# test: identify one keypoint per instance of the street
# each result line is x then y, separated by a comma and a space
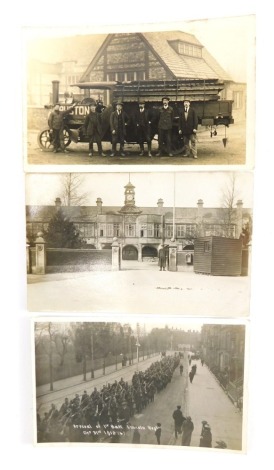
211, 151
203, 399
140, 291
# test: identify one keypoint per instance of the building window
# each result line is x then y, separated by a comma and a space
130, 230
237, 99
109, 230
169, 231
86, 230
157, 230
116, 230
185, 48
180, 231
150, 230
102, 230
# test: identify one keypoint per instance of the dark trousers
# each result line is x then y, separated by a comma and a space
58, 139
117, 139
165, 136
143, 136
99, 144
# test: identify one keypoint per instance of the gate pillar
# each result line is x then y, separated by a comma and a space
40, 254
116, 260
140, 252
172, 255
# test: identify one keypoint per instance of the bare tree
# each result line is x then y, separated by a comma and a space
72, 194
228, 212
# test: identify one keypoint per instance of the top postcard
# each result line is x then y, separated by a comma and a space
181, 95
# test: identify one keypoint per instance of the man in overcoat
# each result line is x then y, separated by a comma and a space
165, 127
118, 123
188, 125
56, 125
93, 129
143, 120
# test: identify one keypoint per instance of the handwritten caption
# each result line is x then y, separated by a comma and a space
110, 429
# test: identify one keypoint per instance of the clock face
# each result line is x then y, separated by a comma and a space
129, 197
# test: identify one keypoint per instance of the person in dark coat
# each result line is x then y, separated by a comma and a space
188, 125
206, 436
93, 129
136, 438
181, 369
142, 121
165, 127
178, 420
162, 258
187, 429
158, 433
56, 125
118, 123
191, 375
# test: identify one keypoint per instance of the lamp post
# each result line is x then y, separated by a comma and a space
92, 357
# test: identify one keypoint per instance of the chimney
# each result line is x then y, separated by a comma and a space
99, 204
160, 204
58, 203
55, 91
200, 205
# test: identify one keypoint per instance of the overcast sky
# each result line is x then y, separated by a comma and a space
149, 187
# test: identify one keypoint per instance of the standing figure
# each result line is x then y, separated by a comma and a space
181, 369
136, 438
143, 127
191, 375
165, 127
206, 436
187, 428
93, 129
178, 420
56, 125
188, 124
118, 123
162, 258
158, 433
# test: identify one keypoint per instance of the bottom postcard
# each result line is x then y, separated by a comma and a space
171, 383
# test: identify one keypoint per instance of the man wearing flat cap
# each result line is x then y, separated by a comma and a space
165, 127
188, 124
143, 120
118, 122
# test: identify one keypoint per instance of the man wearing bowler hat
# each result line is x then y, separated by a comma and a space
188, 124
118, 122
165, 127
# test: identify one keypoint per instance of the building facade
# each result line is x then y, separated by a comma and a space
141, 230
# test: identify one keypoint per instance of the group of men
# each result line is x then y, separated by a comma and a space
145, 120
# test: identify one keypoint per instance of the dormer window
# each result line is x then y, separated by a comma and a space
186, 48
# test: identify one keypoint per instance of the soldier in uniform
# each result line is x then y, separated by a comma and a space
93, 129
56, 125
118, 123
143, 122
165, 127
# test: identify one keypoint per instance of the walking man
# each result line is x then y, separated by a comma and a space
178, 420
188, 124
158, 433
187, 429
162, 258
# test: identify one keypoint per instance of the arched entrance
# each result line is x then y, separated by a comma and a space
149, 252
130, 252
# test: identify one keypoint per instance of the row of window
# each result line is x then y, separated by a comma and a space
146, 230
126, 76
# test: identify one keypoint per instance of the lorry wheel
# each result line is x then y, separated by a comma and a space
44, 139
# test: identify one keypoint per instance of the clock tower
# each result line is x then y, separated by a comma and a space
129, 204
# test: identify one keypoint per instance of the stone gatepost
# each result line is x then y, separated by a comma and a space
140, 252
116, 262
40, 254
172, 254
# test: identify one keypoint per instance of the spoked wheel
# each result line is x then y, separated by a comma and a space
44, 139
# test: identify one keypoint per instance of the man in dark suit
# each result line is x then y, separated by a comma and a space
188, 124
143, 128
165, 127
118, 122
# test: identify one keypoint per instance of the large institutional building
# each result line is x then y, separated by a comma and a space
141, 230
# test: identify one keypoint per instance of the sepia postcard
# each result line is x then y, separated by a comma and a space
165, 382
157, 243
181, 95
